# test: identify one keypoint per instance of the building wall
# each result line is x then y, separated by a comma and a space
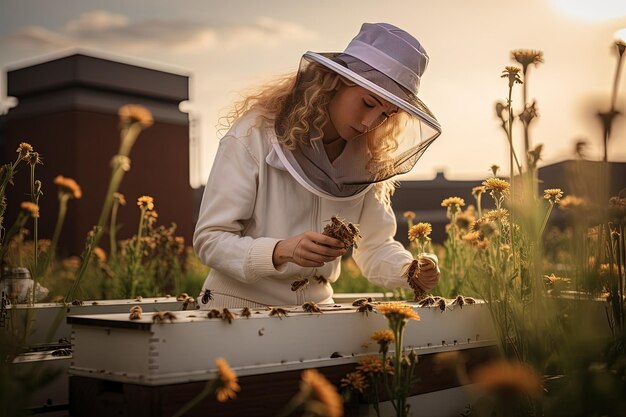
71, 120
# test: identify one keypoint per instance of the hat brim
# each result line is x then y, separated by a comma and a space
416, 108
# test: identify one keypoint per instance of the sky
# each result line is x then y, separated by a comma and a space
227, 47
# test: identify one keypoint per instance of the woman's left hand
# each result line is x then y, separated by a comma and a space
428, 274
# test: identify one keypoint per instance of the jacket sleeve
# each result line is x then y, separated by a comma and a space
227, 205
382, 259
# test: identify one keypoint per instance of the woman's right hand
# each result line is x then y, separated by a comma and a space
308, 249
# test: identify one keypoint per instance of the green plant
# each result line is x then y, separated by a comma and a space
391, 373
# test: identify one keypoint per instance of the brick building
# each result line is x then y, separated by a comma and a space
68, 111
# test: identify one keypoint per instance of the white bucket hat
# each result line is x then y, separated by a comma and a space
380, 51
388, 62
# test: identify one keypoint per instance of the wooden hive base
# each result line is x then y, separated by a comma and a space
261, 395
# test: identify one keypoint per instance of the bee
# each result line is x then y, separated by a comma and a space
135, 313
459, 300
355, 233
227, 315
214, 314
206, 296
138, 299
311, 307
360, 301
321, 280
182, 297
427, 302
187, 301
62, 352
160, 317
365, 307
300, 284
469, 300
347, 233
245, 312
441, 304
77, 303
278, 312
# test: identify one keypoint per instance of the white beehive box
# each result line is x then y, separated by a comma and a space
113, 347
47, 321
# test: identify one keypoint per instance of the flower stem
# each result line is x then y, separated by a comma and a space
208, 388
120, 164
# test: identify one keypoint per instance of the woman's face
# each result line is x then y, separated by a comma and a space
353, 110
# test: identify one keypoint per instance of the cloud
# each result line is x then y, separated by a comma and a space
105, 29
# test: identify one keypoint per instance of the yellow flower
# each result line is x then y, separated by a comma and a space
371, 364
24, 149
571, 202
512, 73
146, 201
527, 56
420, 232
354, 381
120, 198
151, 216
383, 336
134, 113
30, 208
464, 220
453, 204
497, 187
397, 310
477, 191
453, 201
507, 377
553, 195
229, 386
100, 254
322, 393
68, 186
409, 215
497, 214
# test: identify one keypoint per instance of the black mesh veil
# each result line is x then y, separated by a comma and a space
391, 149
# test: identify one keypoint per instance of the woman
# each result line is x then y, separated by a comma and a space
322, 143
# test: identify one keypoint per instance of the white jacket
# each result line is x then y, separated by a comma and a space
251, 202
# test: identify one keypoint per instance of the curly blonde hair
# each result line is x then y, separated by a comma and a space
298, 107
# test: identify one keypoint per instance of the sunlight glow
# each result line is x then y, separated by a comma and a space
595, 11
